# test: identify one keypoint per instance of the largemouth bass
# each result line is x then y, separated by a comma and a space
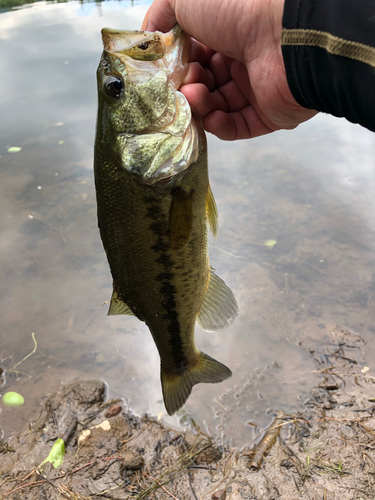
155, 202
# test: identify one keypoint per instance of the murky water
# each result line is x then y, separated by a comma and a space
296, 240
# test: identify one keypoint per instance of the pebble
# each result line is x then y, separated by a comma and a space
132, 461
113, 410
219, 495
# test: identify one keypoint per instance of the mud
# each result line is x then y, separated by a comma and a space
325, 452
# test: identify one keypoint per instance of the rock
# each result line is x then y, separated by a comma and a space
219, 495
66, 425
88, 392
132, 461
77, 396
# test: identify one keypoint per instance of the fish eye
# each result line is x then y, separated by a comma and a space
114, 86
144, 45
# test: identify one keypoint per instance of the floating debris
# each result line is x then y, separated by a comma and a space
269, 243
13, 399
14, 149
26, 357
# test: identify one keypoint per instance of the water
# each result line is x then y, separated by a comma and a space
296, 240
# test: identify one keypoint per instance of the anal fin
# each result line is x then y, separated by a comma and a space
117, 306
219, 307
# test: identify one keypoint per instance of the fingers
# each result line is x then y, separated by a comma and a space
243, 124
219, 65
199, 52
160, 16
198, 74
202, 101
233, 96
145, 21
217, 86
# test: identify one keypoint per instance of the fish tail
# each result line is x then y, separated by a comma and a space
177, 387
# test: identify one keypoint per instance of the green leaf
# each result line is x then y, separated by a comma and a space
14, 149
13, 399
56, 455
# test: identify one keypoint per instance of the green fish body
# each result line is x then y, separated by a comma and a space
155, 203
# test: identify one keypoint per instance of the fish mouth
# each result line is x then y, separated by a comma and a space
138, 45
122, 40
172, 47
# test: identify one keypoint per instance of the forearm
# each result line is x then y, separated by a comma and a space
329, 55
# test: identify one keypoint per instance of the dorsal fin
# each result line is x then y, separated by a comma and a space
118, 306
219, 307
212, 213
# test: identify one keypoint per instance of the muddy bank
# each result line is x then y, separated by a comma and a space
325, 452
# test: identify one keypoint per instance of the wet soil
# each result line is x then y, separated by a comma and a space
326, 451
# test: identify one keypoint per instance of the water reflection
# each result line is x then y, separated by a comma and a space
296, 240
11, 4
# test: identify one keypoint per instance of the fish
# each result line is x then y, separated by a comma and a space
155, 204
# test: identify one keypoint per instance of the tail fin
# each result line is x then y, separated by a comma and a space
177, 388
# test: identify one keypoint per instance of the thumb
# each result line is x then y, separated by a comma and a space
160, 16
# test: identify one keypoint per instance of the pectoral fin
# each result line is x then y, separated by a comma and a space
118, 306
212, 213
180, 219
219, 308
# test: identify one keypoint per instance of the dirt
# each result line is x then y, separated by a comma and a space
325, 452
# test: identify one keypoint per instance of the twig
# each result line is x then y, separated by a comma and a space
316, 421
191, 486
71, 494
111, 489
6, 480
57, 477
30, 354
165, 489
175, 468
75, 470
135, 435
261, 450
31, 473
206, 467
24, 486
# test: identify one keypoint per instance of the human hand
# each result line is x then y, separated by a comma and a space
236, 84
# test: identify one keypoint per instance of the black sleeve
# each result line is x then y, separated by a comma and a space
329, 54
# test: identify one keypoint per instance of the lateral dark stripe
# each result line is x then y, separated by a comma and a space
162, 250
332, 44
